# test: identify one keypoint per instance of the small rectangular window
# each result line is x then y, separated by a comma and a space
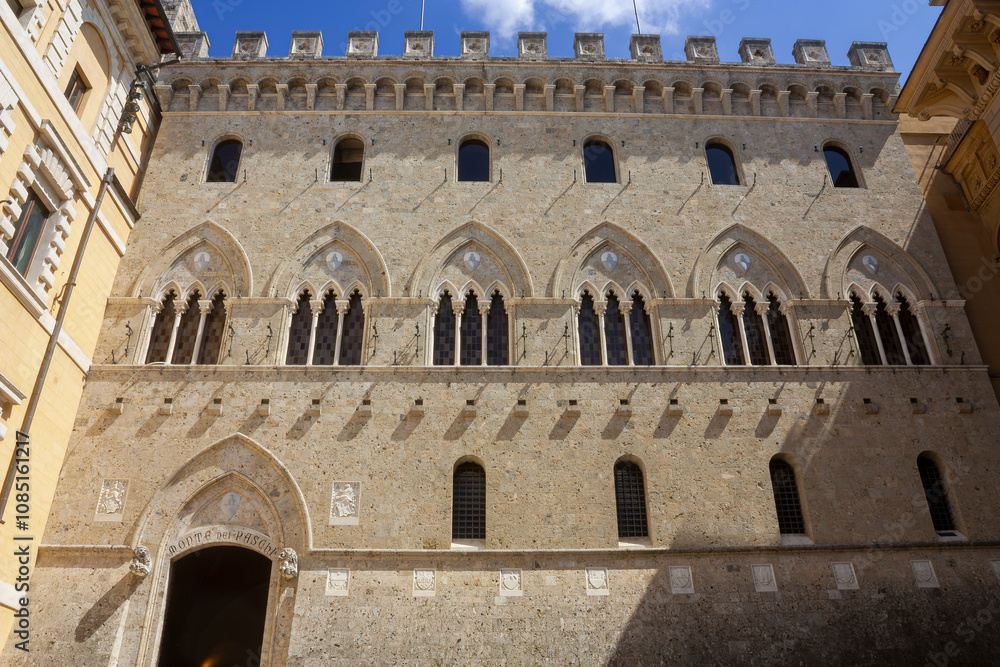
75, 90
27, 232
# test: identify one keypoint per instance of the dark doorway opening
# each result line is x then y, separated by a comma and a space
216, 607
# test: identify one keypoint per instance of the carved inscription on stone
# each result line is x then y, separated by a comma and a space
338, 583
424, 583
763, 579
510, 583
111, 500
345, 504
843, 574
681, 581
597, 581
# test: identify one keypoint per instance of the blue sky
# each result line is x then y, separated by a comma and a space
904, 24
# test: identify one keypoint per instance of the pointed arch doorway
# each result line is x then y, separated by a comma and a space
216, 608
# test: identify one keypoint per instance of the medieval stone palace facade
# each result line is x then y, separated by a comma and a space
527, 360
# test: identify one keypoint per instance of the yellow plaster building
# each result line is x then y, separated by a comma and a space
66, 67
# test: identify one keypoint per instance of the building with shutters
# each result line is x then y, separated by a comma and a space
530, 359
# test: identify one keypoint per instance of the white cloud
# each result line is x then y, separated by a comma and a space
508, 16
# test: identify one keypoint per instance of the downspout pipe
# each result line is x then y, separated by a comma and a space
50, 350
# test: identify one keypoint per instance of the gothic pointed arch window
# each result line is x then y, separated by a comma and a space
189, 333
729, 332
471, 332
599, 162
588, 332
326, 332
213, 328
444, 332
497, 332
913, 337
225, 161
937, 495
614, 332
348, 160
722, 164
787, 503
160, 333
473, 160
864, 333
641, 330
468, 510
299, 332
781, 333
630, 500
888, 332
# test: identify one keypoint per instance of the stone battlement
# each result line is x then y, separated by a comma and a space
533, 47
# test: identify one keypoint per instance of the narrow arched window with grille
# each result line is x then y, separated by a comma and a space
187, 332
599, 162
614, 333
213, 330
589, 332
641, 329
936, 494
225, 162
300, 332
753, 324
913, 337
327, 328
630, 500
468, 510
722, 164
348, 160
786, 498
864, 333
444, 332
497, 333
729, 333
352, 333
781, 333
163, 325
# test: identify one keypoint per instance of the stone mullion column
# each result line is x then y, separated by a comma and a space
791, 319
288, 314
458, 309
576, 333
179, 309
400, 95
316, 307
870, 309
762, 310
429, 347
626, 309
578, 93
601, 307
737, 307
916, 309
893, 309
342, 308
755, 102
488, 90
152, 310
484, 311
204, 308
509, 311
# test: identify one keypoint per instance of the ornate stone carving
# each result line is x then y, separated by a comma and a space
843, 574
345, 509
757, 51
338, 583
362, 44
870, 55
250, 45
923, 572
609, 259
532, 45
681, 581
142, 561
597, 581
510, 583
475, 45
763, 579
646, 48
424, 583
811, 52
289, 563
701, 50
589, 45
306, 45
418, 44
111, 500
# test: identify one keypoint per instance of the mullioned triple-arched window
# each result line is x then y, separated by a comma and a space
887, 331
754, 330
614, 332
472, 332
326, 332
188, 331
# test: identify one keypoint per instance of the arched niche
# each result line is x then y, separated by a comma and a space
851, 264
182, 262
634, 264
495, 262
720, 263
337, 254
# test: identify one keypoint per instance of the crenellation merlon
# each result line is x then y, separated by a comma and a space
533, 46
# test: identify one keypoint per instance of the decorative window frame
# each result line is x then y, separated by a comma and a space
8, 103
485, 298
917, 308
624, 295
787, 308
31, 18
43, 171
316, 305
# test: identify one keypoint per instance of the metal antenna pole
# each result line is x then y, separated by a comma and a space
422, 2
637, 26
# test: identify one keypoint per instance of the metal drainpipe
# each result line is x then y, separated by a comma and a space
54, 339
